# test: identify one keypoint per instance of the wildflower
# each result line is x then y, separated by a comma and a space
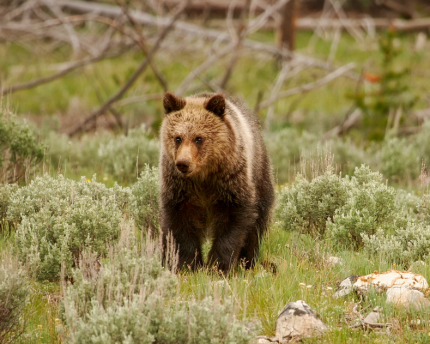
372, 77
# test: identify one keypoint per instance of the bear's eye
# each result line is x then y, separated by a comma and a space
178, 140
198, 140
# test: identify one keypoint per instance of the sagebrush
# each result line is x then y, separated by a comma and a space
14, 293
131, 298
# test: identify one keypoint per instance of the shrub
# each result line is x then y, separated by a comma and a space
13, 297
423, 209
341, 208
133, 299
370, 206
5, 197
399, 159
306, 206
408, 203
123, 155
422, 142
348, 155
286, 147
409, 243
19, 150
61, 218
120, 156
146, 203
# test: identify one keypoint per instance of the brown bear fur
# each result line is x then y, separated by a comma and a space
216, 179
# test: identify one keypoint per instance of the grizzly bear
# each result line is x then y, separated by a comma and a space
216, 180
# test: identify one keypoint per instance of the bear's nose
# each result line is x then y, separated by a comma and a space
183, 165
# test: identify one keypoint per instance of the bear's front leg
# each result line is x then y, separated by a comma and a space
180, 220
231, 227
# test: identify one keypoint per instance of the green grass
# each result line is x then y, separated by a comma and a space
303, 275
259, 295
41, 314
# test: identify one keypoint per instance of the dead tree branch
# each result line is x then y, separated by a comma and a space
344, 126
141, 42
308, 87
238, 39
80, 126
228, 49
74, 40
63, 72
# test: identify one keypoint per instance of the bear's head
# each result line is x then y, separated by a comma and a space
195, 133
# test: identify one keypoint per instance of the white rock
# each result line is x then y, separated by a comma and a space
298, 320
346, 286
332, 261
407, 297
389, 279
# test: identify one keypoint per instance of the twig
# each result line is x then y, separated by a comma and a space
8, 30
275, 91
348, 123
289, 69
220, 53
138, 99
260, 95
74, 40
334, 45
308, 87
200, 69
141, 42
115, 113
269, 11
67, 70
239, 38
134, 76
17, 11
354, 32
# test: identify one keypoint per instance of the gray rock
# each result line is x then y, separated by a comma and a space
374, 317
346, 286
267, 340
298, 320
407, 297
332, 261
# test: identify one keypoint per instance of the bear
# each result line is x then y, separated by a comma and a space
215, 180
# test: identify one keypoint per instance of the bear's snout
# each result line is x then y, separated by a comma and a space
183, 165
185, 158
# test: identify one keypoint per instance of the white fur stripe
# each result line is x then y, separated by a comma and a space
245, 133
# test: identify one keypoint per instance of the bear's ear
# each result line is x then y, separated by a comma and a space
172, 103
216, 105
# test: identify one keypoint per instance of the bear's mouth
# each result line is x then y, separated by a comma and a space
186, 174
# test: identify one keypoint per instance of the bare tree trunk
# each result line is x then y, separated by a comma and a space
286, 32
409, 5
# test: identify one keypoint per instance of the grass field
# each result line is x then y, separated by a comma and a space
294, 142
